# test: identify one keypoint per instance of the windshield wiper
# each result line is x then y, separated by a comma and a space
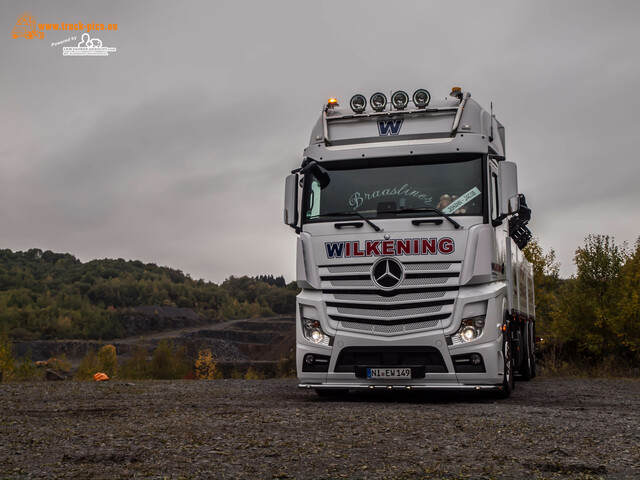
427, 209
350, 212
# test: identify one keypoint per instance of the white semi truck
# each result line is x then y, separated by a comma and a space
410, 229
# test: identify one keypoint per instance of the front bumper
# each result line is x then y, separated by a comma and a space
431, 386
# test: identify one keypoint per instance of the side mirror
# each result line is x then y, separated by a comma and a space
509, 198
291, 200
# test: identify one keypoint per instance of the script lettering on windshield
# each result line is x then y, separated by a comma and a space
357, 199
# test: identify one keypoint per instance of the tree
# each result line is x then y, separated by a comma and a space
546, 279
599, 263
205, 366
627, 320
108, 360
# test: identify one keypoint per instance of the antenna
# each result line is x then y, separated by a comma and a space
491, 134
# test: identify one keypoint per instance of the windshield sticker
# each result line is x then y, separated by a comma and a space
357, 199
463, 200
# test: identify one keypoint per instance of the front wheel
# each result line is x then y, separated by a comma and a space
526, 369
507, 376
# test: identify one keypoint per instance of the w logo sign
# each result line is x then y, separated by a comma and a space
389, 127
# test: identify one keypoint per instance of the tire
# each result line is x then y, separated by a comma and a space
533, 350
507, 380
331, 393
526, 368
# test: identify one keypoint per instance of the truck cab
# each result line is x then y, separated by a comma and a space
410, 228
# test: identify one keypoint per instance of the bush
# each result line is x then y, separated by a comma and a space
88, 366
7, 359
168, 362
27, 368
137, 367
253, 375
205, 366
108, 360
59, 363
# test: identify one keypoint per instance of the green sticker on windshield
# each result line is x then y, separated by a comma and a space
463, 200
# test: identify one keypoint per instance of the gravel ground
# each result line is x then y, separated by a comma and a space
263, 429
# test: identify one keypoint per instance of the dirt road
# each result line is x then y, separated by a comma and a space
549, 428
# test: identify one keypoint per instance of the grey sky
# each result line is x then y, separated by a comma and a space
174, 149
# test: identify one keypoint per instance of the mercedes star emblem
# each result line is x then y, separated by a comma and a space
387, 273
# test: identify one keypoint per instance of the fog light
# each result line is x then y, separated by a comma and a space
421, 98
378, 101
309, 359
400, 100
358, 103
469, 333
476, 359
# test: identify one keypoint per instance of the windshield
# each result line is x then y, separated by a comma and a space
453, 186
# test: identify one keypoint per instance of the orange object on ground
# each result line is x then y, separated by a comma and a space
100, 377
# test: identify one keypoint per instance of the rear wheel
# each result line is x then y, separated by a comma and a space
331, 392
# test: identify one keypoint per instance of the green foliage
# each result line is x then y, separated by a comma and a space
46, 295
108, 360
27, 368
593, 318
627, 315
137, 367
7, 358
88, 366
168, 362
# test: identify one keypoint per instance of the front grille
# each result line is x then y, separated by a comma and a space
389, 313
428, 357
426, 294
401, 328
376, 297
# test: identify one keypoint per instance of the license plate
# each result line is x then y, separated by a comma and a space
388, 373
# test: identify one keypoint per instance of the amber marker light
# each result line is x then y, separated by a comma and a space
332, 102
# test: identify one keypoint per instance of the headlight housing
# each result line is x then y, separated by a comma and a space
471, 328
312, 331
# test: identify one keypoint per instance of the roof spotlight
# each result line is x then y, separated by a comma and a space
421, 98
400, 100
358, 103
378, 101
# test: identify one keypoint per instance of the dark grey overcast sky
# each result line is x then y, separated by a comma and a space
174, 149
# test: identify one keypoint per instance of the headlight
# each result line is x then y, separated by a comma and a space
378, 101
470, 329
421, 98
400, 100
313, 332
468, 333
358, 103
